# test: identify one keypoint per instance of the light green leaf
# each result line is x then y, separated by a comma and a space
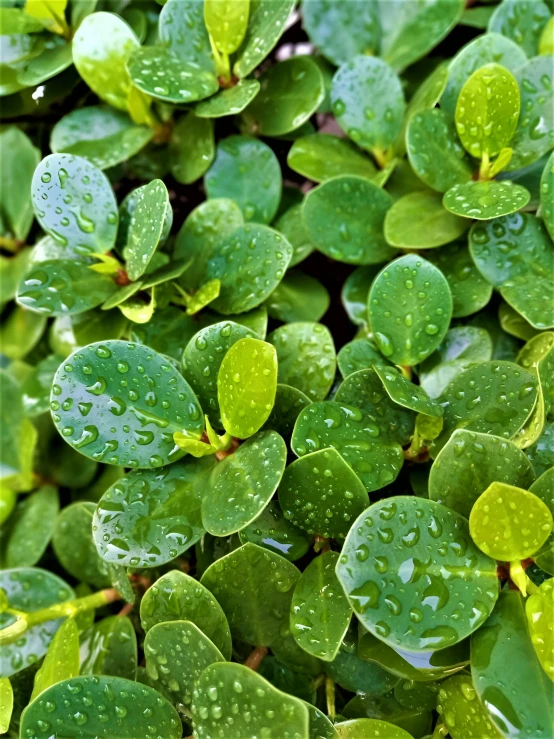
32, 526
266, 25
226, 21
19, 160
485, 200
419, 221
321, 156
539, 608
547, 191
6, 704
461, 710
62, 658
230, 101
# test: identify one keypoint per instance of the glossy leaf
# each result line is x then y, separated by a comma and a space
418, 221
485, 200
62, 658
74, 203
179, 597
469, 463
192, 148
243, 483
263, 579
321, 494
230, 101
409, 540
298, 297
365, 728
344, 217
522, 22
74, 547
461, 710
417, 293
547, 188
246, 386
145, 227
183, 31
322, 156
266, 24
104, 702
6, 704
274, 532
247, 171
19, 160
406, 393
159, 403
289, 401
226, 22
355, 291
539, 608
32, 527
290, 93
544, 489
159, 511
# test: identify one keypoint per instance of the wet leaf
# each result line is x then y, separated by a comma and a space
145, 227
272, 531
179, 597
230, 101
192, 148
262, 578
547, 188
469, 463
159, 511
365, 728
418, 221
344, 217
62, 658
32, 526
111, 648
359, 354
461, 710
410, 540
82, 706
74, 547
409, 307
355, 291
322, 156
182, 30
266, 24
539, 608
243, 483
406, 393
19, 160
159, 403
226, 22
289, 401
6, 704
522, 22
306, 357
485, 200
298, 297
290, 93
544, 489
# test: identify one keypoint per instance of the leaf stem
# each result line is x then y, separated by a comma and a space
254, 659
330, 696
484, 168
521, 579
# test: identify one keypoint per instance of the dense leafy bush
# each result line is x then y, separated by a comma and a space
232, 507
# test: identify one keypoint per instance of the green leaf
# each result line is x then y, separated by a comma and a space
272, 531
201, 231
51, 13
257, 576
544, 489
365, 728
506, 673
419, 221
176, 655
19, 160
111, 648
412, 541
469, 463
320, 613
289, 401
461, 710
321, 156
192, 148
243, 483
32, 526
6, 704
486, 49
508, 523
158, 512
250, 262
102, 46
470, 292
291, 92
373, 456
409, 307
434, 150
103, 701
56, 57
539, 608
547, 187
417, 28
357, 86
230, 101
179, 597
406, 393
146, 227
322, 494
359, 354
63, 287
534, 135
364, 390
521, 21
247, 171
487, 110
305, 345
74, 203
226, 21
298, 297
246, 386
74, 546
541, 453
485, 200
355, 674
490, 398
266, 24
30, 589
344, 217
159, 403
62, 659
355, 291
68, 333
341, 31
162, 74
417, 721
261, 708
546, 40
100, 134
14, 21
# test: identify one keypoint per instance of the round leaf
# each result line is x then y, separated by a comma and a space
547, 189
89, 706
74, 547
121, 403
146, 227
461, 710
539, 608
230, 101
74, 203
112, 649
289, 401
31, 528
544, 489
298, 297
344, 217
359, 354
182, 30
321, 494
266, 24
321, 156
508, 523
485, 200
390, 569
368, 102
243, 483
320, 613
291, 91
419, 221
366, 728
406, 393
247, 171
226, 22
522, 22
192, 148
272, 531
410, 306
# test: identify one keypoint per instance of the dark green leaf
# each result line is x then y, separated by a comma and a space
547, 188
272, 531
32, 526
359, 354
406, 393
298, 297
266, 25
461, 710
322, 156
192, 148
146, 227
183, 31
365, 728
19, 160
230, 101
111, 648
355, 291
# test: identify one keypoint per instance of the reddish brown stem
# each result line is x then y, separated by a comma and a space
226, 452
126, 610
254, 659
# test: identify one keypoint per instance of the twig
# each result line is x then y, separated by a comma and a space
254, 659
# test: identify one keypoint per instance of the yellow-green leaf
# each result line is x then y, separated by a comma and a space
51, 13
226, 21
62, 659
539, 608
